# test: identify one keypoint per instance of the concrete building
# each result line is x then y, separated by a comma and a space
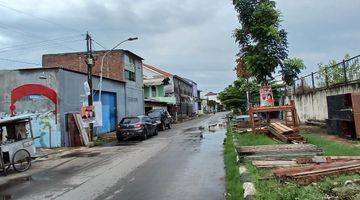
183, 91
119, 65
157, 83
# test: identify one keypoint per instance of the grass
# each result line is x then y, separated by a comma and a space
332, 148
251, 139
273, 189
233, 185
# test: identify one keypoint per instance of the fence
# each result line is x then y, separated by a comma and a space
345, 72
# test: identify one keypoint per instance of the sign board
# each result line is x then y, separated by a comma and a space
266, 96
98, 113
87, 88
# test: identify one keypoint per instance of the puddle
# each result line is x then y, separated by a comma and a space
81, 154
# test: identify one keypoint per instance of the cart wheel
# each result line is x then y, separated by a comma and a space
21, 160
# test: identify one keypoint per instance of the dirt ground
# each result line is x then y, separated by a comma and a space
322, 131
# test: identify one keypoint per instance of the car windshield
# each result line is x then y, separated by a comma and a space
154, 114
131, 120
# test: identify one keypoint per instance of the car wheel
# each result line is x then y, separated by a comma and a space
169, 126
119, 137
162, 125
144, 136
156, 132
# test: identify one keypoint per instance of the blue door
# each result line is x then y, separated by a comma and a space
109, 111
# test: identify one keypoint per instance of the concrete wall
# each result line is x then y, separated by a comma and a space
72, 95
134, 93
314, 105
44, 121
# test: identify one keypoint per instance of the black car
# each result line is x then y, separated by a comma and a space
140, 126
161, 117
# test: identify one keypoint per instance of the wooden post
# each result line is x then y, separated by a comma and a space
251, 114
294, 114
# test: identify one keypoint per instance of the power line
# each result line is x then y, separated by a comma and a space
19, 61
35, 43
33, 35
2, 4
102, 46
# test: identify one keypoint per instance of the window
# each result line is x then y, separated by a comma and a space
129, 75
129, 68
153, 91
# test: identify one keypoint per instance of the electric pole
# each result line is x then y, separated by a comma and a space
90, 63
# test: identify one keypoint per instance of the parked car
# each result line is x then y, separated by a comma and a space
140, 126
161, 117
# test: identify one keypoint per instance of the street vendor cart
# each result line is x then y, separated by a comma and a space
17, 145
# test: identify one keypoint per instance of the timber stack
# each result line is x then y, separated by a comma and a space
285, 133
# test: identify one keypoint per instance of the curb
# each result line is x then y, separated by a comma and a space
248, 186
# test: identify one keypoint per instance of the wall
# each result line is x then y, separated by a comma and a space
134, 92
113, 67
314, 105
44, 121
72, 95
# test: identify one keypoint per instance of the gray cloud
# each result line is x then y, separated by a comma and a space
186, 37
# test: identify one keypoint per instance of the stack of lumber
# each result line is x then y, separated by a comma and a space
285, 133
308, 174
278, 152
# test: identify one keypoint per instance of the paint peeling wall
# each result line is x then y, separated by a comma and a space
44, 122
314, 105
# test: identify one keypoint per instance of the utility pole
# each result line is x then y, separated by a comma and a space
90, 63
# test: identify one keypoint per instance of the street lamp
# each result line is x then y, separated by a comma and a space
103, 58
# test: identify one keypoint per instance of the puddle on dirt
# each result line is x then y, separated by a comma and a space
81, 154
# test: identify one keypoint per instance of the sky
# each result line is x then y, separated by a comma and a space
188, 38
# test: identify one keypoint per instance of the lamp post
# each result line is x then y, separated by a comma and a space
103, 58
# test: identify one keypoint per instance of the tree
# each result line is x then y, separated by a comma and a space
234, 96
263, 44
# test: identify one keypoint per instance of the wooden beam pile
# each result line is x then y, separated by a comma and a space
308, 174
285, 133
278, 152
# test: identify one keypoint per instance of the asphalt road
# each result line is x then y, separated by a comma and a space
176, 164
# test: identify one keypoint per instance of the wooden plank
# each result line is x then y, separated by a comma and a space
278, 148
300, 170
274, 163
285, 156
83, 133
278, 135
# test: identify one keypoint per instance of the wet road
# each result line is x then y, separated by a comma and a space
176, 164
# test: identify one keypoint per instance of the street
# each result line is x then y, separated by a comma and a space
176, 164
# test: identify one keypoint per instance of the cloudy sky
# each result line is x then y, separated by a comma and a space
186, 37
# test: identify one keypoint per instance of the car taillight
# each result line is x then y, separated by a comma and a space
139, 125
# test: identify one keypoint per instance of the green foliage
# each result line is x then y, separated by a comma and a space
334, 72
263, 44
234, 96
292, 67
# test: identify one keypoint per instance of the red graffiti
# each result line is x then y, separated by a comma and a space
32, 89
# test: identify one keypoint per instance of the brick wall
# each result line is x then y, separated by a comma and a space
113, 63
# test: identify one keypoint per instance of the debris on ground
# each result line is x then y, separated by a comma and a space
308, 174
285, 133
278, 152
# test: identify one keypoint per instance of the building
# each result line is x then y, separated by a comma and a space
183, 91
156, 83
213, 103
119, 65
51, 123
195, 97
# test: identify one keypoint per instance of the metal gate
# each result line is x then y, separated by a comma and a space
109, 111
